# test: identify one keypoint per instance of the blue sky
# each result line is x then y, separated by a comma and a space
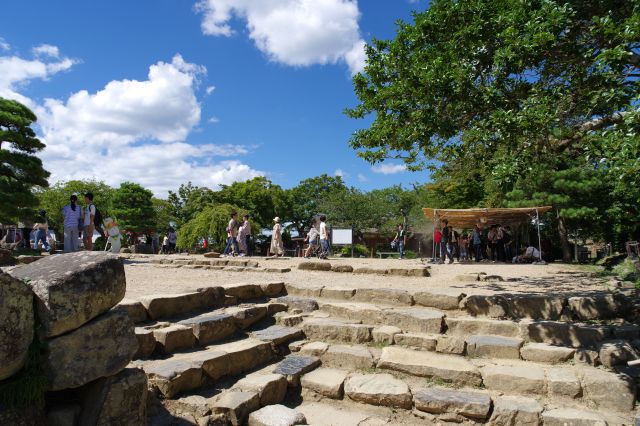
163, 92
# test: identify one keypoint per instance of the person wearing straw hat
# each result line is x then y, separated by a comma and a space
277, 248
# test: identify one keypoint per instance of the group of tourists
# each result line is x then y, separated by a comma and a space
493, 243
318, 238
78, 222
239, 236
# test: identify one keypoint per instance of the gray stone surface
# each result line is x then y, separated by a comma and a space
599, 386
288, 320
342, 268
385, 334
594, 307
385, 296
276, 415
572, 417
273, 289
61, 415
484, 346
340, 293
445, 299
563, 334
146, 343
244, 355
617, 352
541, 352
427, 342
563, 382
515, 411
278, 335
163, 306
173, 338
73, 288
116, 400
314, 266
464, 326
474, 405
172, 376
244, 291
326, 329
16, 326
305, 290
236, 405
491, 306
134, 308
378, 389
271, 388
451, 344
348, 357
415, 319
100, 348
293, 366
305, 304
535, 306
314, 348
514, 379
448, 368
244, 316
209, 328
327, 382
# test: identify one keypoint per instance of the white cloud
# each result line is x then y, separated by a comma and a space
340, 173
293, 32
210, 89
213, 120
128, 131
4, 45
389, 169
46, 50
362, 178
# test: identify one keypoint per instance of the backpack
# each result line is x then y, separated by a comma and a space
97, 218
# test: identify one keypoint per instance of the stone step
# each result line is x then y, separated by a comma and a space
487, 346
333, 330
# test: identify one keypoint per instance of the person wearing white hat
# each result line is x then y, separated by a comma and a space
277, 248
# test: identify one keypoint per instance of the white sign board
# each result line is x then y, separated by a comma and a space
341, 237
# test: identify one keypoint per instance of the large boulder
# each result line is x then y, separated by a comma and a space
119, 399
73, 288
16, 327
100, 348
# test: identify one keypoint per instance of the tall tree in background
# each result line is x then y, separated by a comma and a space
20, 169
490, 90
133, 209
304, 198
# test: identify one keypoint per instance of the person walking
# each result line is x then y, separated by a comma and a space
41, 229
277, 247
324, 237
232, 234
437, 239
312, 239
243, 236
73, 222
89, 220
476, 239
400, 239
444, 244
172, 239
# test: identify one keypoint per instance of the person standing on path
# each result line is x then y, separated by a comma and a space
437, 239
172, 239
243, 236
232, 234
324, 237
89, 217
41, 229
277, 248
444, 244
73, 221
401, 240
476, 240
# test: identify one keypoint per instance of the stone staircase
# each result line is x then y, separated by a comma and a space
216, 356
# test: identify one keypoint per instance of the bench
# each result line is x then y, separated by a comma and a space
387, 253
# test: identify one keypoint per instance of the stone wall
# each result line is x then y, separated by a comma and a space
86, 346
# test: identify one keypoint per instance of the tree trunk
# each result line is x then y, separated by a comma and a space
564, 240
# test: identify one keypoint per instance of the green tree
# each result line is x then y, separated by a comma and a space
164, 214
210, 223
188, 201
20, 169
353, 209
55, 197
133, 209
483, 92
304, 198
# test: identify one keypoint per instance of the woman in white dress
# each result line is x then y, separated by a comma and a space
277, 248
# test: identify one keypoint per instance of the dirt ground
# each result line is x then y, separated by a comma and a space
145, 278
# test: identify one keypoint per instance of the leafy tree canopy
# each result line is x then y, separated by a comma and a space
210, 223
304, 198
20, 169
132, 207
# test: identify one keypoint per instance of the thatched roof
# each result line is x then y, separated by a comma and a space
468, 218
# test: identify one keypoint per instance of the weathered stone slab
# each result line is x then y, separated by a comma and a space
516, 411
327, 382
418, 320
464, 326
324, 329
119, 399
213, 362
314, 349
387, 296
427, 342
275, 307
541, 352
314, 266
449, 368
73, 288
146, 343
276, 415
107, 344
310, 290
418, 272
60, 415
563, 382
616, 352
16, 328
271, 388
594, 307
293, 366
348, 357
245, 316
278, 335
342, 268
487, 346
474, 405
573, 417
601, 386
368, 270
364, 312
491, 306
513, 379
172, 376
134, 308
235, 405
288, 320
273, 289
245, 354
378, 389
547, 307
173, 338
445, 299
451, 344
209, 328
174, 305
339, 293
397, 272
564, 334
385, 334
244, 291
626, 331
587, 356
303, 303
